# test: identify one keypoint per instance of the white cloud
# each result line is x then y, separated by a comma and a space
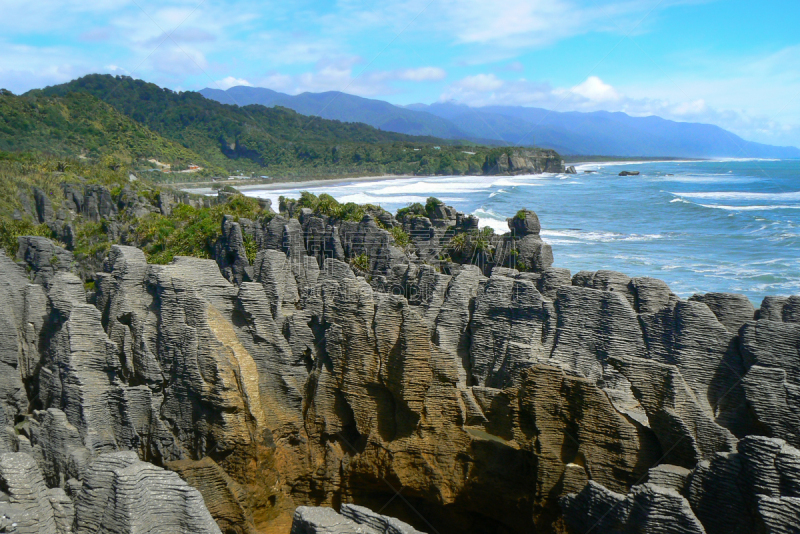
480, 83
422, 74
343, 74
178, 61
492, 31
690, 108
596, 90
230, 81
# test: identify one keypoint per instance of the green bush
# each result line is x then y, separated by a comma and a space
401, 238
250, 247
412, 210
360, 263
430, 206
10, 230
190, 231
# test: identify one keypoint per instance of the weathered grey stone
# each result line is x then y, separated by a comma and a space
648, 508
781, 309
146, 499
731, 310
320, 520
771, 349
685, 428
487, 399
21, 480
44, 206
670, 477
525, 223
58, 447
591, 326
534, 254
452, 333
379, 523
551, 279
688, 335
650, 294
231, 254
98, 203
512, 329
225, 498
44, 258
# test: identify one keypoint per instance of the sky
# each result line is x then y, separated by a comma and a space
732, 63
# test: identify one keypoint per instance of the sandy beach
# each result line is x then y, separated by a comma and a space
205, 187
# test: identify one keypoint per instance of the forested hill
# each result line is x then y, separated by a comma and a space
274, 141
80, 125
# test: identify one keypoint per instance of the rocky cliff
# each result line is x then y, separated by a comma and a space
524, 162
340, 368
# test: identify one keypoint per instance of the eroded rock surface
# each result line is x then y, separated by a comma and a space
488, 397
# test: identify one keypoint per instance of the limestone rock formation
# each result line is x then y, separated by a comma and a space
146, 499
531, 252
335, 369
648, 508
525, 162
30, 502
231, 253
352, 520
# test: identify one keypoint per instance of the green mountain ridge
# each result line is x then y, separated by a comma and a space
79, 125
275, 141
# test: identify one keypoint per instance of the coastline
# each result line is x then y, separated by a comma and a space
275, 186
250, 185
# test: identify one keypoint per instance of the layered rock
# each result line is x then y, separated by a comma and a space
526, 248
524, 162
752, 490
145, 499
489, 403
352, 520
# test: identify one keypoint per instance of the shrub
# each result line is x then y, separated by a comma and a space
250, 247
360, 263
458, 243
401, 238
412, 210
431, 204
10, 230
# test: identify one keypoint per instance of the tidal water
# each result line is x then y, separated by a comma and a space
701, 226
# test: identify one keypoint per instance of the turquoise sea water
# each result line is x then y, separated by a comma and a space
731, 225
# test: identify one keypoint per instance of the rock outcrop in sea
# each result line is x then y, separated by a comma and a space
406, 391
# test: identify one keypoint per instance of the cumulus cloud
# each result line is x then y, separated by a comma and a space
422, 74
480, 83
178, 61
595, 90
343, 74
694, 107
230, 81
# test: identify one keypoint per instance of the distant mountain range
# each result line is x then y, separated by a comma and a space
574, 133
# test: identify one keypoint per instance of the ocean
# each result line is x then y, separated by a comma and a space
701, 226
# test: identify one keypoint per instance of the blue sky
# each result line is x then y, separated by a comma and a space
728, 62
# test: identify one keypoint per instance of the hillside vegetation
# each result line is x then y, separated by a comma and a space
79, 125
274, 141
188, 230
